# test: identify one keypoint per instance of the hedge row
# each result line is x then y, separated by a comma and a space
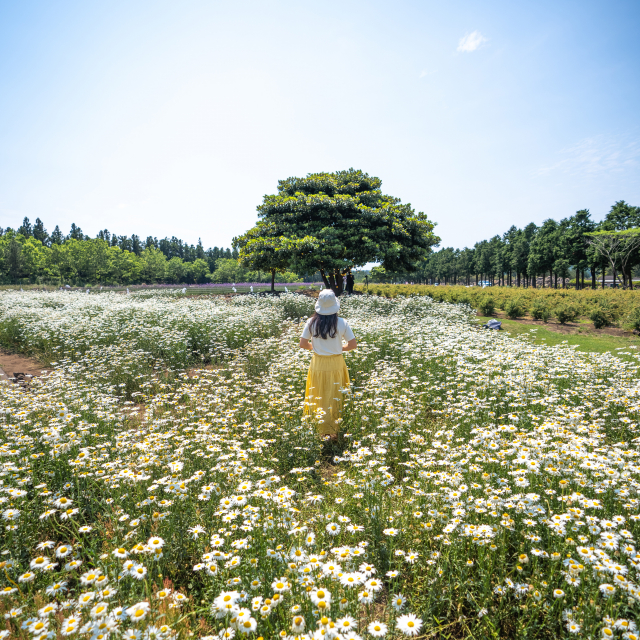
603, 307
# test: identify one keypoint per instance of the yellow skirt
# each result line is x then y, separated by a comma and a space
323, 398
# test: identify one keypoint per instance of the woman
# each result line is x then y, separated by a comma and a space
328, 373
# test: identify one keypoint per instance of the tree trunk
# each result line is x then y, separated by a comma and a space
333, 281
604, 271
273, 280
594, 284
630, 277
325, 280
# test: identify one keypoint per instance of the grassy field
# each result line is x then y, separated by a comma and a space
586, 340
164, 480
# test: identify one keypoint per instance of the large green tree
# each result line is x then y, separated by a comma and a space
542, 254
349, 222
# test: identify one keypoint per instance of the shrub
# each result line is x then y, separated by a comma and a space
565, 313
487, 306
540, 310
295, 306
633, 319
600, 317
515, 307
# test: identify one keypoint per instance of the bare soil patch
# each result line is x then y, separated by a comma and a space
567, 328
11, 363
205, 367
136, 413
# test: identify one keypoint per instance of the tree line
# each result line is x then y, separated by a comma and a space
171, 247
545, 255
331, 224
29, 254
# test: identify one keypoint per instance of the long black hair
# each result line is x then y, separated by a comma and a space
324, 326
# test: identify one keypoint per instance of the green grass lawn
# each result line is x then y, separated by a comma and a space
586, 341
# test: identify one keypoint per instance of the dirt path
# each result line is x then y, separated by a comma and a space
12, 363
568, 328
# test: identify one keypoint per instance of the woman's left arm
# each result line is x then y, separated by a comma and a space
351, 345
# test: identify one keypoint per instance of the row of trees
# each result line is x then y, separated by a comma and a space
170, 247
333, 223
94, 261
30, 255
534, 256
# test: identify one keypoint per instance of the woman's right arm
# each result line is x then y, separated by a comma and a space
305, 343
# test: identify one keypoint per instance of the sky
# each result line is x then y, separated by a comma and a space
176, 118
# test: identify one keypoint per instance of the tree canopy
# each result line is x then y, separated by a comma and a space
342, 220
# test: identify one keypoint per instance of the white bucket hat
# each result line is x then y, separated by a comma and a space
327, 303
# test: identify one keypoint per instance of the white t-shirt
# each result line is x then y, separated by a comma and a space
330, 346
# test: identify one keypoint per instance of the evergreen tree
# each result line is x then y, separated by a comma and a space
56, 236
542, 250
40, 233
75, 233
13, 259
25, 229
622, 216
577, 243
200, 254
136, 245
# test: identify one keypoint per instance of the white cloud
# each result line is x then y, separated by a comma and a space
426, 73
471, 42
597, 156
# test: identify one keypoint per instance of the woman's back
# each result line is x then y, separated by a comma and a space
329, 346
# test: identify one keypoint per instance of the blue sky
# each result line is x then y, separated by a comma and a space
175, 118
